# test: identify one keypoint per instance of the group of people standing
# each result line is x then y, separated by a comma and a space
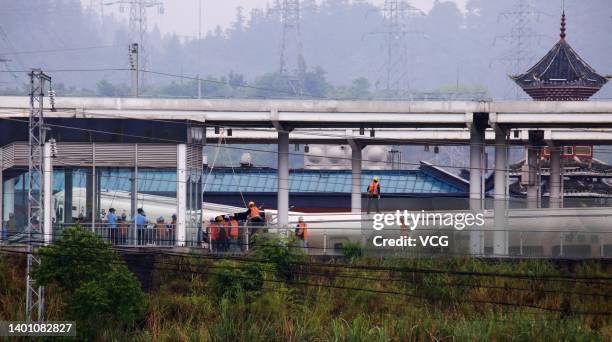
224, 233
159, 233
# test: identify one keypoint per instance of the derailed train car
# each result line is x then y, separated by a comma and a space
546, 233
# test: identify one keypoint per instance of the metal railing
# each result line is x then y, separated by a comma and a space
128, 234
330, 240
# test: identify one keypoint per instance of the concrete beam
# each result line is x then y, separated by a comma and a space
401, 136
537, 118
326, 113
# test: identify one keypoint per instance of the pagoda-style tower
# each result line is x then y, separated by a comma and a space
561, 75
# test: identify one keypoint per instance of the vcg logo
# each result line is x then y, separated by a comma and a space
434, 241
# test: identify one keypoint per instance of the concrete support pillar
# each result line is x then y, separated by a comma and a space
95, 204
134, 196
8, 201
533, 187
477, 141
47, 226
500, 235
2, 232
181, 195
555, 180
89, 196
283, 179
68, 195
356, 178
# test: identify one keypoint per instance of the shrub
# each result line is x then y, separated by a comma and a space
100, 291
229, 279
279, 251
352, 250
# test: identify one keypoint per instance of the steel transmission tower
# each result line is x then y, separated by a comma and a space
138, 26
522, 37
291, 46
395, 75
36, 185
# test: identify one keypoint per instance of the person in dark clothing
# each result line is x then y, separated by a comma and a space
222, 238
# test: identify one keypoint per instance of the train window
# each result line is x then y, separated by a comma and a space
568, 150
583, 150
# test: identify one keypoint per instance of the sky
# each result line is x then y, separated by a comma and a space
181, 16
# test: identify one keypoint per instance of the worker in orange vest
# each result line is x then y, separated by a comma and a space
374, 195
254, 216
213, 234
253, 211
301, 231
232, 224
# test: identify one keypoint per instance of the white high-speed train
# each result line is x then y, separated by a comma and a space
154, 206
529, 232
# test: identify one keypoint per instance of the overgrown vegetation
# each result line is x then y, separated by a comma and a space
277, 293
95, 284
352, 250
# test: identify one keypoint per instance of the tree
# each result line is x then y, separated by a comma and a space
105, 88
360, 89
238, 24
235, 79
99, 290
315, 84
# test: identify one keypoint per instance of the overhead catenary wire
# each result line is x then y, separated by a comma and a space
167, 74
356, 267
389, 292
70, 49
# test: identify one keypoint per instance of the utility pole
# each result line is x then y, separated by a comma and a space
138, 26
291, 46
133, 61
396, 15
35, 303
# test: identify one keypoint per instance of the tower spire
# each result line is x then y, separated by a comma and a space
562, 35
